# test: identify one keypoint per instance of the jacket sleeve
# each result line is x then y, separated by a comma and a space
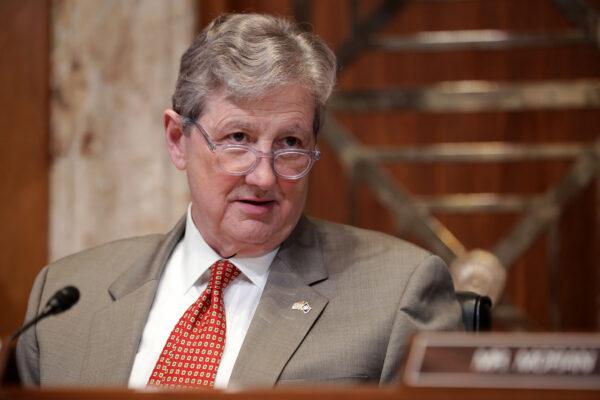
28, 357
428, 304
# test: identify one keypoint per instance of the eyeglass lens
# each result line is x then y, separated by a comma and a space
239, 161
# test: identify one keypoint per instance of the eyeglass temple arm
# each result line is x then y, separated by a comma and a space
210, 144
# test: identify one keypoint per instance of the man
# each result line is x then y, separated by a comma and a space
244, 291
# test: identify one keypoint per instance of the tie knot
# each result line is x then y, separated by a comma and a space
221, 274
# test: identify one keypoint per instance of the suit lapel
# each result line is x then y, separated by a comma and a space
277, 329
114, 338
117, 329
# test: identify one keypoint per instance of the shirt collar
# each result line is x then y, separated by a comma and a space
198, 256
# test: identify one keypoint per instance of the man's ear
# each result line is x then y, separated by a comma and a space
176, 140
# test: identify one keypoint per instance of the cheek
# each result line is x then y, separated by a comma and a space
218, 190
295, 193
209, 185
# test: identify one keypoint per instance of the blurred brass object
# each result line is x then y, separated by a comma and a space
482, 39
475, 152
475, 95
481, 272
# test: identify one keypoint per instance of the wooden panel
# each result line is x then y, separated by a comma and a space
300, 392
208, 10
528, 286
23, 152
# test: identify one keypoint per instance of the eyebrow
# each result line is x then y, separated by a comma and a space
296, 129
237, 125
245, 126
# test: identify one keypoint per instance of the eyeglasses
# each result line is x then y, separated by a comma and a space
241, 159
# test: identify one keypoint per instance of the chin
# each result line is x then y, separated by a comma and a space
257, 236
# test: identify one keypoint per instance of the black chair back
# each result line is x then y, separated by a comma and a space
476, 311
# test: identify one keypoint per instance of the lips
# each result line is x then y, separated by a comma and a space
253, 206
257, 202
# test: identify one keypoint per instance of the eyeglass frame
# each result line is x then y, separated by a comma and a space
315, 154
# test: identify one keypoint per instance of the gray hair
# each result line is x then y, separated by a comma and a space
248, 54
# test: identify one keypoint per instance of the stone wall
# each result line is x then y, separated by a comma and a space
113, 68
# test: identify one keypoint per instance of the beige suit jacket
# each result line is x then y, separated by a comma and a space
368, 293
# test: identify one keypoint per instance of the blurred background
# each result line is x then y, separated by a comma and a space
469, 127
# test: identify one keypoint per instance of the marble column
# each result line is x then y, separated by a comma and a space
113, 69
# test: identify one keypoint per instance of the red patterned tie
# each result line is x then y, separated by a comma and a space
193, 351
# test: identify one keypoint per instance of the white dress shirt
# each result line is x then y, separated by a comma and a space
185, 277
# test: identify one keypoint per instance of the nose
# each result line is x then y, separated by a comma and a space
263, 175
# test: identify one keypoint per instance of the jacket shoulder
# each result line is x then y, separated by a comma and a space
352, 243
104, 262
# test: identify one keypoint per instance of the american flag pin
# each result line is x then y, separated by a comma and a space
302, 306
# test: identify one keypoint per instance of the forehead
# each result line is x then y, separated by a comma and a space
288, 107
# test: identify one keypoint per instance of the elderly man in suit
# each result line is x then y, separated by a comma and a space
245, 290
